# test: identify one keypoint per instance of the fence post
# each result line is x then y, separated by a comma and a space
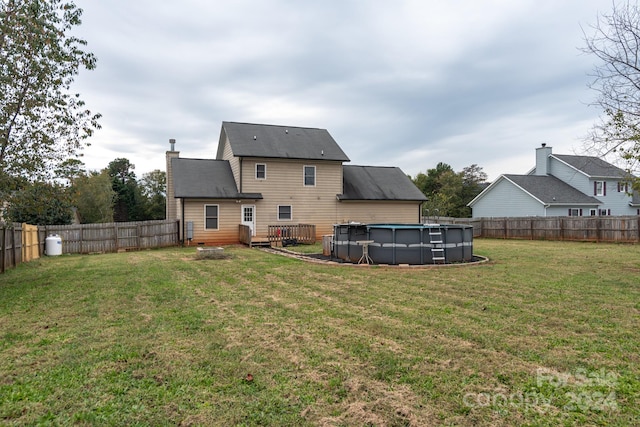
13, 248
115, 235
3, 234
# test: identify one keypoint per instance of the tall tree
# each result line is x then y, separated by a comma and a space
123, 179
615, 41
42, 123
153, 186
93, 196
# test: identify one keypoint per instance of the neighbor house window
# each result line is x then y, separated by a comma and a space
284, 213
211, 213
309, 176
575, 212
604, 212
623, 187
261, 171
599, 188
593, 212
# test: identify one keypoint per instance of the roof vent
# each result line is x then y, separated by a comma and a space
255, 137
286, 131
173, 144
544, 144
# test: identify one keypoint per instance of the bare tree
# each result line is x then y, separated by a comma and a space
615, 41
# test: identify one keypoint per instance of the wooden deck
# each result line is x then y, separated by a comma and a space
281, 235
260, 242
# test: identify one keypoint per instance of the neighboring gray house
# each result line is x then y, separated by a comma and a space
559, 185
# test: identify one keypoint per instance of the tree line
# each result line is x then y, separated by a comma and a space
448, 192
112, 194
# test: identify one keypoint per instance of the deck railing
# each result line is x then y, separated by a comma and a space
298, 233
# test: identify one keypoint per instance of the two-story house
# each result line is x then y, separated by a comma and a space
559, 185
266, 175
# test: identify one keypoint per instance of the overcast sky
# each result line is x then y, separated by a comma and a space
398, 83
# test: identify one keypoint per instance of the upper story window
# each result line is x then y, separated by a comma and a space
309, 176
623, 187
599, 188
261, 171
211, 217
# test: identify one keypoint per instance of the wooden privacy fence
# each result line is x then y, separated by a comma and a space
113, 237
619, 229
10, 245
30, 243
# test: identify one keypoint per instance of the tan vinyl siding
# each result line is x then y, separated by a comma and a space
228, 221
371, 212
285, 186
234, 162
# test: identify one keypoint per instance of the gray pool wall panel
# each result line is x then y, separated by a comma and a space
404, 243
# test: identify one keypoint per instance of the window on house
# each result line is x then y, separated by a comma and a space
623, 187
211, 217
599, 188
575, 212
309, 176
604, 212
593, 212
261, 171
284, 213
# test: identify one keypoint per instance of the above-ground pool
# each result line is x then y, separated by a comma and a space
404, 243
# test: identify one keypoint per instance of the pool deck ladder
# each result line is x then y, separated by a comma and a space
435, 238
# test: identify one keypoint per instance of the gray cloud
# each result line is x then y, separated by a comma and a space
405, 83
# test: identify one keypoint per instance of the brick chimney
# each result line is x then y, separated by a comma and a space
172, 202
542, 159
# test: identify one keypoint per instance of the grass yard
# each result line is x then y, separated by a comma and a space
547, 333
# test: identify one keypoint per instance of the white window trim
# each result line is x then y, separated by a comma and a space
315, 175
265, 171
218, 217
290, 210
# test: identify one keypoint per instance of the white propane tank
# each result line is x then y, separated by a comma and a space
53, 245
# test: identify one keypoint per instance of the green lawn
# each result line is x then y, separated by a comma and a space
546, 333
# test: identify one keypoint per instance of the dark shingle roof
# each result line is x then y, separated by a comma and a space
592, 166
378, 183
211, 179
550, 190
286, 142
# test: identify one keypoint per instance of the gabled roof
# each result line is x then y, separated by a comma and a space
285, 142
551, 190
378, 183
546, 189
206, 179
594, 167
